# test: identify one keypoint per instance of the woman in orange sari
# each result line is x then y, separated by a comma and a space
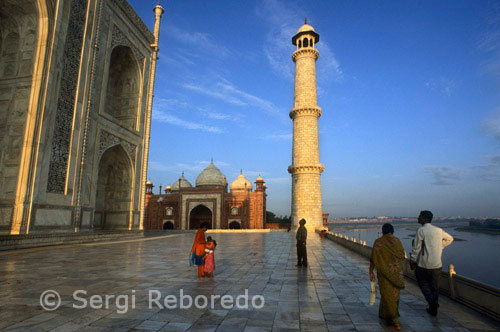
387, 257
198, 250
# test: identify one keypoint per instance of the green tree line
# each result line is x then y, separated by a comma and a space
272, 218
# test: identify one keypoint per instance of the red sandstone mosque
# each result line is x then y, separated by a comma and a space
183, 206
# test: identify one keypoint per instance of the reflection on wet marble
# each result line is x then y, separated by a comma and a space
330, 295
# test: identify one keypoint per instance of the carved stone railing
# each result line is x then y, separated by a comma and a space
473, 294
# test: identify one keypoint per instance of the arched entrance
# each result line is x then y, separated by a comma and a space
20, 28
114, 190
200, 215
122, 92
168, 225
234, 225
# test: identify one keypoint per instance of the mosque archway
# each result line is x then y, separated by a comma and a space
234, 225
114, 190
167, 225
122, 91
200, 215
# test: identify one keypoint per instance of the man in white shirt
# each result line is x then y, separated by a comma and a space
426, 258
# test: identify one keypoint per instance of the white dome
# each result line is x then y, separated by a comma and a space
211, 176
306, 27
241, 184
182, 183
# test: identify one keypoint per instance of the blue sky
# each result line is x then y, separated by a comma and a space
409, 92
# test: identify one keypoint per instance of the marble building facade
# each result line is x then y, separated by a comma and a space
76, 88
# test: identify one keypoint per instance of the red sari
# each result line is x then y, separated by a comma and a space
209, 266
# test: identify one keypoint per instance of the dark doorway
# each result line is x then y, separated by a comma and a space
234, 225
168, 225
114, 190
200, 215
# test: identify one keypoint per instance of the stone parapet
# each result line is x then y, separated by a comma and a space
315, 169
476, 295
305, 111
305, 52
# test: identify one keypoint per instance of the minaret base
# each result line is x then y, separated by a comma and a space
306, 196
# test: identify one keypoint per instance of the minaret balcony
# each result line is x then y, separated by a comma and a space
301, 169
305, 111
304, 53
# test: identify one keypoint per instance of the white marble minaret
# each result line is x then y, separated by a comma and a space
306, 168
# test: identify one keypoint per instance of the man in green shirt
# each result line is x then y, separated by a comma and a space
301, 238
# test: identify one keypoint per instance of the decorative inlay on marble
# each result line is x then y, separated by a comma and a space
67, 93
119, 38
107, 140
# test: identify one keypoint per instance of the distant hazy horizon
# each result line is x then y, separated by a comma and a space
409, 93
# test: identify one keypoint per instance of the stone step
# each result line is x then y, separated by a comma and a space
24, 241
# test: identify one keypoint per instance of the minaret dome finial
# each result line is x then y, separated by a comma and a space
305, 20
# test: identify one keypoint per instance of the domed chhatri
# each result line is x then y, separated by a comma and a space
309, 31
211, 176
241, 184
181, 183
305, 27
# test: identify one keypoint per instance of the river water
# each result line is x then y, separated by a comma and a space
474, 255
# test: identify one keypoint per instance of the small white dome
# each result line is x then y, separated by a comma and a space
241, 184
182, 183
304, 28
211, 176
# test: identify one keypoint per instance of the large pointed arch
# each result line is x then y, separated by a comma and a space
200, 215
123, 87
114, 190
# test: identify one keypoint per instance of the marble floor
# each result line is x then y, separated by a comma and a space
330, 295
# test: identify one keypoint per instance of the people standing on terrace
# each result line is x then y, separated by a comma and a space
387, 258
209, 266
301, 238
197, 253
425, 258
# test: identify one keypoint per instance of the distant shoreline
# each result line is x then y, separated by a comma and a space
440, 223
483, 230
